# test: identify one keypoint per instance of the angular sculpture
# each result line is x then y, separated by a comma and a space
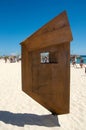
46, 65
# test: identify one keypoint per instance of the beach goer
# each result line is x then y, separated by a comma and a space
46, 59
11, 59
74, 60
85, 70
5, 58
81, 62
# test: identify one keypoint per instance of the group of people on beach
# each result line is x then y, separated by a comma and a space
11, 59
74, 62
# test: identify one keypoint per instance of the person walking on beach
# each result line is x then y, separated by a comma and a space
5, 58
74, 60
81, 62
85, 70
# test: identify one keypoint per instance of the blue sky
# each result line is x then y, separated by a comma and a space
21, 18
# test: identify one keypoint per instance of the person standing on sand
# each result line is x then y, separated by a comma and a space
5, 58
85, 70
74, 60
81, 62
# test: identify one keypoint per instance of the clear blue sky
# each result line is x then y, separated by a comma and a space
20, 18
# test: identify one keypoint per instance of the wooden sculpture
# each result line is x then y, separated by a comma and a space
46, 65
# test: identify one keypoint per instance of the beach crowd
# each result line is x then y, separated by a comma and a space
80, 65
11, 59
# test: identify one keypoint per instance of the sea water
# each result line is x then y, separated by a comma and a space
83, 57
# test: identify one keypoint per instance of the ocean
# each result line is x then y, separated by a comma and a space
83, 57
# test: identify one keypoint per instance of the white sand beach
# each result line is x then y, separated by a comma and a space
18, 111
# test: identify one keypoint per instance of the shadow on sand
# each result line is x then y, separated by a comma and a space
20, 119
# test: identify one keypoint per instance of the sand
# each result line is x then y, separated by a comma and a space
18, 111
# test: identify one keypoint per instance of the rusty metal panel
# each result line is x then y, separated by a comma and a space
46, 68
